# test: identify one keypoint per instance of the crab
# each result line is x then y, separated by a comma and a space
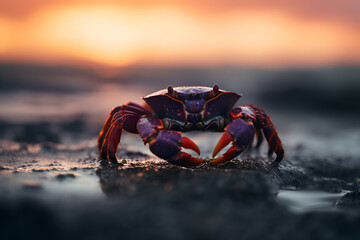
170, 111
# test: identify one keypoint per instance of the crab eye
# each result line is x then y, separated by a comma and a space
170, 90
216, 88
211, 93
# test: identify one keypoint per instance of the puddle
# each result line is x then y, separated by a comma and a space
82, 184
302, 201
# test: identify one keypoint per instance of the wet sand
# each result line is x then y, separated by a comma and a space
52, 190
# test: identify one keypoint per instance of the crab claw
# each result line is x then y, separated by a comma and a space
231, 153
185, 159
167, 145
241, 134
224, 141
188, 144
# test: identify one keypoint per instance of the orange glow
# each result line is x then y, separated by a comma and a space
119, 35
7, 28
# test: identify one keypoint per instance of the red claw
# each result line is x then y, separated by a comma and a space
185, 159
223, 142
188, 144
230, 154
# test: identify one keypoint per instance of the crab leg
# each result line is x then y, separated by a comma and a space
129, 108
167, 144
260, 138
264, 122
241, 134
106, 127
121, 118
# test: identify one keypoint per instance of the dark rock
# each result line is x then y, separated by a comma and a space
37, 133
4, 168
40, 170
63, 176
357, 184
351, 199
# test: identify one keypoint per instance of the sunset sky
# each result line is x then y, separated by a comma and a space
261, 33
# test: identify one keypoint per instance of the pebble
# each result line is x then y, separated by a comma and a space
63, 176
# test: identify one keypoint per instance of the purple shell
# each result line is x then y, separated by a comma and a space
182, 100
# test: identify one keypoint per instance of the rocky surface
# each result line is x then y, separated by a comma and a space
62, 191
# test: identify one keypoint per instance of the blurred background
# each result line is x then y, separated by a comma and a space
64, 64
70, 62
